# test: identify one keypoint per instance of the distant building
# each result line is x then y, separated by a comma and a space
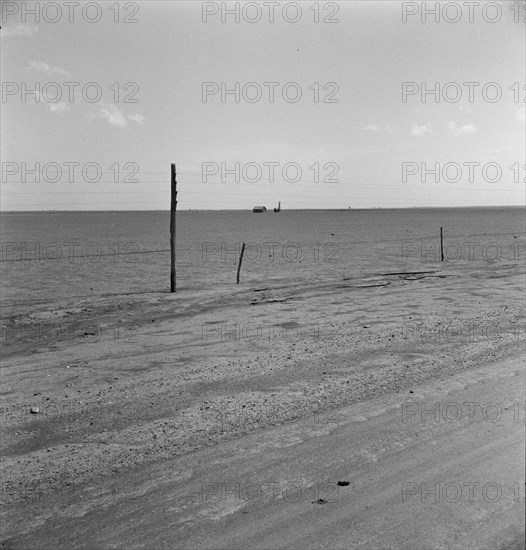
259, 209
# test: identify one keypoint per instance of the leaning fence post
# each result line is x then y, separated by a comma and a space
239, 264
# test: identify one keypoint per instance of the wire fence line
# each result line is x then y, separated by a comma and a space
346, 243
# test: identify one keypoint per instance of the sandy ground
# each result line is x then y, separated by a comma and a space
158, 426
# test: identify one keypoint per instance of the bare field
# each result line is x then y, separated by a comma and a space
229, 383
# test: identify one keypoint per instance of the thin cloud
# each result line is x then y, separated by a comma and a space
60, 107
139, 119
44, 67
418, 130
20, 30
464, 130
113, 115
375, 128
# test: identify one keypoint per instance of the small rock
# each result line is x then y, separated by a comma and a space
319, 501
34, 410
343, 483
367, 326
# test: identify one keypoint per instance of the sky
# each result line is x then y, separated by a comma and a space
150, 76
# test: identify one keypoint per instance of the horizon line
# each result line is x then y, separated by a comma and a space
269, 210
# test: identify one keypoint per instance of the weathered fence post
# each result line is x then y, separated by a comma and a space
173, 207
239, 265
441, 246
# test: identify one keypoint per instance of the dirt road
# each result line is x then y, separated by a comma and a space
451, 477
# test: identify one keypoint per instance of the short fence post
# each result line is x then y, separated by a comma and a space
240, 261
441, 246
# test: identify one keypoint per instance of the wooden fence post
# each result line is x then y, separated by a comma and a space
173, 207
239, 265
441, 246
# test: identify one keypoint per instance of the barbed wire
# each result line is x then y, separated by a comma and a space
346, 243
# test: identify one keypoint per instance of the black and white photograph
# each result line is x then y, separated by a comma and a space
262, 275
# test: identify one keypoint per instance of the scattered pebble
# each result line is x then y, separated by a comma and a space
34, 410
